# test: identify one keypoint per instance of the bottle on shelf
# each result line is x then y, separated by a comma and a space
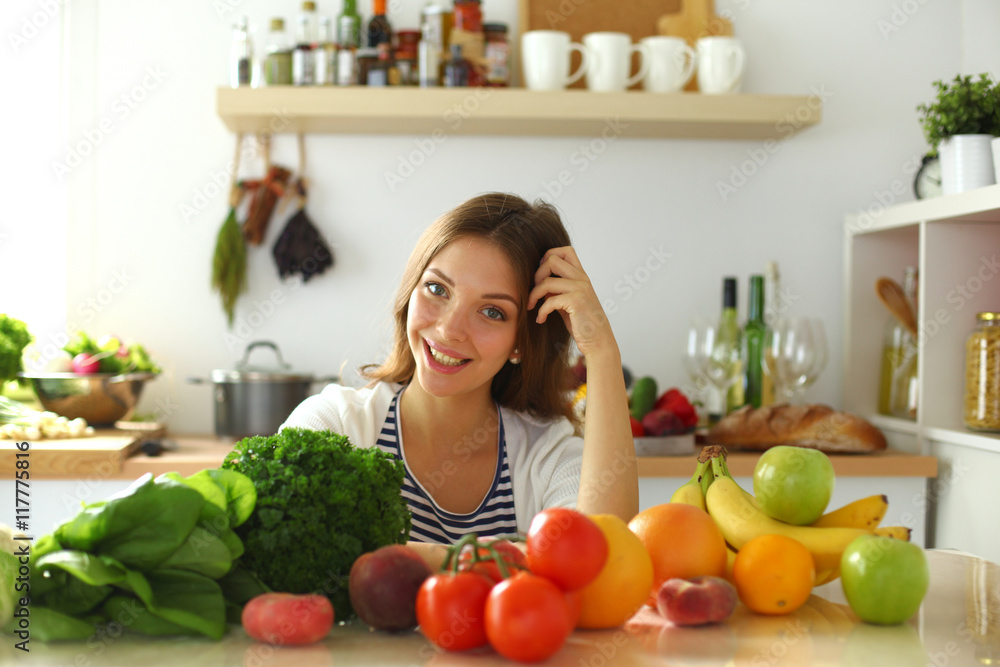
729, 338
903, 390
898, 347
278, 56
754, 332
457, 69
241, 56
383, 72
349, 26
303, 59
434, 23
467, 32
325, 63
379, 28
773, 307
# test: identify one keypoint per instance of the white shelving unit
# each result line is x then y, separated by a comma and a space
954, 241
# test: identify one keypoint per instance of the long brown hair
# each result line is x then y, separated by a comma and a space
523, 232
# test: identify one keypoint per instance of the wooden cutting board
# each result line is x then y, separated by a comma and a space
694, 20
101, 454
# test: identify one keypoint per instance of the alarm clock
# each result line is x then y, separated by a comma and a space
927, 182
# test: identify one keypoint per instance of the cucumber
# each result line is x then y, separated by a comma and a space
643, 397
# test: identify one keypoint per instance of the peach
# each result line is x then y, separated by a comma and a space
696, 601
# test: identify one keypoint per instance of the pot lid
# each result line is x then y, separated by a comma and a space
247, 372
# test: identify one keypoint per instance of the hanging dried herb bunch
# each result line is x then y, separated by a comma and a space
301, 248
229, 262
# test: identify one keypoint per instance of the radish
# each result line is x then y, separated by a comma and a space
85, 364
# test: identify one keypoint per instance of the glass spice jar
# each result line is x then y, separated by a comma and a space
468, 15
497, 54
982, 374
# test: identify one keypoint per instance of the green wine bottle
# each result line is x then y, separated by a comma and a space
729, 339
754, 332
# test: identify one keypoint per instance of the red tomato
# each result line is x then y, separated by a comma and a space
450, 609
527, 618
284, 618
638, 430
511, 555
574, 605
567, 547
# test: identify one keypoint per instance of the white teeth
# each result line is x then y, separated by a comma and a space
444, 358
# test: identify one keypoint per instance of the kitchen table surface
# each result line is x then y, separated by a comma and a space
958, 624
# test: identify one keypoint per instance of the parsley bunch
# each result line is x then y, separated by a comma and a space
321, 503
14, 337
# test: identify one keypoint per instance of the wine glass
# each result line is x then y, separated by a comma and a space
794, 355
713, 362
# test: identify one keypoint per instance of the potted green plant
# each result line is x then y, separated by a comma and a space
960, 125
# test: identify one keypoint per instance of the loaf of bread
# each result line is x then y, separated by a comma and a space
815, 426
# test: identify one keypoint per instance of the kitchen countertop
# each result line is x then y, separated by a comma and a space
196, 452
958, 624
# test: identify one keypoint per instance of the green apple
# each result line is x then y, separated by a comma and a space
793, 484
884, 579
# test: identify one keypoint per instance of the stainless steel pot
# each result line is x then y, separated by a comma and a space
254, 400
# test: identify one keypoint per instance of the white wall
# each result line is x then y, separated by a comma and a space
121, 258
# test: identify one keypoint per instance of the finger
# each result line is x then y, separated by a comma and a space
556, 265
549, 287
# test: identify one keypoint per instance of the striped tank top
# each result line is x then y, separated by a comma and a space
494, 516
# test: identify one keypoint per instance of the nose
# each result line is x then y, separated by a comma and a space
451, 324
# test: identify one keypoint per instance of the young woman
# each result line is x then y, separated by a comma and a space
473, 395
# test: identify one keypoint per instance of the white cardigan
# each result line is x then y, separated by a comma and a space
544, 457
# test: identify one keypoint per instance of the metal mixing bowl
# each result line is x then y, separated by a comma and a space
100, 398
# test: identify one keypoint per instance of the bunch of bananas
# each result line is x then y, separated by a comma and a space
740, 518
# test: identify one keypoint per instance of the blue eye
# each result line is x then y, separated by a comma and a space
435, 288
494, 313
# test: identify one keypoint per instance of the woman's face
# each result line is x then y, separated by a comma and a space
462, 319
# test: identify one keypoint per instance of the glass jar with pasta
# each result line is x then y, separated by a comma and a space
982, 374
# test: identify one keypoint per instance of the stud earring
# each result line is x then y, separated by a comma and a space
515, 360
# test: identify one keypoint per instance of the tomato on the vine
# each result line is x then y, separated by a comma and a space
513, 557
527, 618
564, 545
450, 609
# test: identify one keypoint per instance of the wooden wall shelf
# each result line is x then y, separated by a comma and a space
514, 112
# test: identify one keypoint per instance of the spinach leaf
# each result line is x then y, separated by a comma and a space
187, 599
139, 527
50, 625
133, 615
202, 552
90, 569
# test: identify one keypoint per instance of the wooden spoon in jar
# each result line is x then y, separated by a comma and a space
891, 294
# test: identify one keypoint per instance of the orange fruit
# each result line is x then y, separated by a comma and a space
682, 540
774, 574
622, 586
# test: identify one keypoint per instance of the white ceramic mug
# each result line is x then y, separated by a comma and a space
545, 59
721, 63
611, 61
671, 63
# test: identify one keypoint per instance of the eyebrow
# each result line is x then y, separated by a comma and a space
451, 283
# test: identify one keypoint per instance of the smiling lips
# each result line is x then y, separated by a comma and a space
444, 359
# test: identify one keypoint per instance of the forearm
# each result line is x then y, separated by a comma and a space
608, 480
433, 554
